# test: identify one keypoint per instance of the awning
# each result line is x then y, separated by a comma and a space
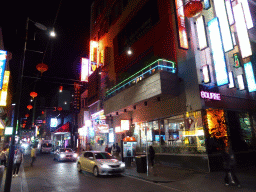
63, 128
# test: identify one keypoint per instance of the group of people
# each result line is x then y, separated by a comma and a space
114, 150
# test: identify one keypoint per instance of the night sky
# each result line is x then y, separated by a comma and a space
62, 54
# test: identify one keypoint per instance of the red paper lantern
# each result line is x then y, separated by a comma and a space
44, 121
42, 112
193, 8
27, 115
33, 94
42, 67
29, 107
59, 108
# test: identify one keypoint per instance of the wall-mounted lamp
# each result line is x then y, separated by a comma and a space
134, 107
125, 110
129, 51
145, 103
116, 113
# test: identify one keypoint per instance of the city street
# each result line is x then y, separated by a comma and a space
49, 175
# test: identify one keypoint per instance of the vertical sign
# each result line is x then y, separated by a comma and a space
93, 54
231, 80
247, 13
85, 69
236, 60
183, 39
3, 56
3, 92
76, 100
221, 13
242, 33
250, 78
206, 74
240, 80
218, 53
201, 34
230, 12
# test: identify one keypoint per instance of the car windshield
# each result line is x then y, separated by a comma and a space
65, 150
104, 156
47, 145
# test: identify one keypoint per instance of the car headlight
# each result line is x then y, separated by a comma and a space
122, 165
62, 155
104, 166
75, 155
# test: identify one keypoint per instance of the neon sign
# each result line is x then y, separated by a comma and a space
94, 54
218, 52
183, 39
85, 69
201, 34
250, 77
210, 95
236, 60
3, 56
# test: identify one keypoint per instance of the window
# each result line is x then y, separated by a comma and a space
103, 156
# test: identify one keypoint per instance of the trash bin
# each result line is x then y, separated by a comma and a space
128, 161
1, 174
141, 163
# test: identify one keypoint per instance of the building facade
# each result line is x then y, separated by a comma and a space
188, 88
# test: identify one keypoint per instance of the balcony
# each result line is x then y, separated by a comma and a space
157, 78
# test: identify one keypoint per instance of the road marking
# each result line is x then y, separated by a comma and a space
153, 183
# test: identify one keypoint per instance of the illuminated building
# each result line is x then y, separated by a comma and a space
190, 81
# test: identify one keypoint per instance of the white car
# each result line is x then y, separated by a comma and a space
99, 163
65, 154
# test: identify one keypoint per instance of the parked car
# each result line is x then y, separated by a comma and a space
99, 163
65, 154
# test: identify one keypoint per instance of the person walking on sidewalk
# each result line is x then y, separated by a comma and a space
152, 155
3, 157
229, 165
18, 157
33, 155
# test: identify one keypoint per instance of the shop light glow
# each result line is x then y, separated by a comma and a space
250, 78
247, 13
3, 92
221, 13
206, 74
118, 129
218, 52
125, 125
242, 33
183, 39
3, 57
201, 34
231, 80
240, 80
207, 4
230, 12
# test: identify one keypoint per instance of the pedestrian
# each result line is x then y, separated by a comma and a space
118, 150
162, 140
18, 157
229, 165
152, 155
3, 157
113, 150
106, 148
33, 155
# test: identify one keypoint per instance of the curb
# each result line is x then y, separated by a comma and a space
151, 180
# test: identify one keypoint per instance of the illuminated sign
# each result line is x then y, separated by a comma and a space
104, 128
94, 54
183, 39
210, 95
240, 80
118, 129
82, 131
247, 13
8, 130
221, 13
3, 56
231, 80
207, 4
236, 60
201, 34
98, 115
234, 38
218, 52
3, 92
242, 33
250, 78
85, 69
54, 122
206, 74
125, 125
230, 12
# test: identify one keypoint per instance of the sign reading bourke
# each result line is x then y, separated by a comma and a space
210, 95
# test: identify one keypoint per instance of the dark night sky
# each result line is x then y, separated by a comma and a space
63, 53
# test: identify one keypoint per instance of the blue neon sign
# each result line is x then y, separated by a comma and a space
3, 56
250, 77
218, 53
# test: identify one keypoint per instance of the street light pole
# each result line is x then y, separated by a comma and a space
8, 179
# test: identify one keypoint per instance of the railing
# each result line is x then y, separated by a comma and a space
160, 64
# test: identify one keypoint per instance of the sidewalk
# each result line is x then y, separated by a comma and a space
190, 180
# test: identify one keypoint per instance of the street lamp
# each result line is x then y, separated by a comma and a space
8, 179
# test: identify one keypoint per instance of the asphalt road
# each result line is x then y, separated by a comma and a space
48, 175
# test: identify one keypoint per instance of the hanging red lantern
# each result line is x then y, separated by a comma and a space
23, 125
44, 121
33, 94
42, 112
42, 67
61, 89
29, 107
27, 115
59, 108
193, 8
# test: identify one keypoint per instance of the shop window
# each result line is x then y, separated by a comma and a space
246, 129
